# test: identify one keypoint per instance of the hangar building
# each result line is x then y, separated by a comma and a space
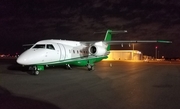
125, 55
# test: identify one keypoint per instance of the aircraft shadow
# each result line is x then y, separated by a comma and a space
25, 69
11, 101
17, 67
20, 70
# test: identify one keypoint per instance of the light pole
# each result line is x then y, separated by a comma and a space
156, 52
133, 52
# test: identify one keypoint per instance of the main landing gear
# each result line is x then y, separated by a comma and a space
68, 67
90, 67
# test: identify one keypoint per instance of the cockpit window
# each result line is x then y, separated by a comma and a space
39, 46
49, 46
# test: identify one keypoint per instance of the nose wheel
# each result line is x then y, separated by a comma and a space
34, 70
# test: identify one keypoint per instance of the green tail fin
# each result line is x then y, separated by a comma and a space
108, 38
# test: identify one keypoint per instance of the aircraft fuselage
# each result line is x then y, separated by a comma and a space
52, 51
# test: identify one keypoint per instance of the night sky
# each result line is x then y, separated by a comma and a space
28, 21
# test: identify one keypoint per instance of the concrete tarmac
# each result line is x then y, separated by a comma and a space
112, 85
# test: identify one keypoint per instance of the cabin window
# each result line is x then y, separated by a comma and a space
39, 46
50, 46
77, 51
73, 51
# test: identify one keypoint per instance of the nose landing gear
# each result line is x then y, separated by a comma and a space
35, 69
35, 72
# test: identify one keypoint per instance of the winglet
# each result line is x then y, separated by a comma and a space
108, 36
164, 41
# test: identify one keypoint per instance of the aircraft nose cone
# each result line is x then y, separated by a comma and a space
31, 57
21, 60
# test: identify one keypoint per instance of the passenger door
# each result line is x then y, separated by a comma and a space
62, 52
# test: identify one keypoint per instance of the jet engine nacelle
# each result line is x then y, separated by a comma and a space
97, 50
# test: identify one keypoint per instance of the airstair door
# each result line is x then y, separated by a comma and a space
62, 52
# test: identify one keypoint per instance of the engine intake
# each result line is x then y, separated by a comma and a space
97, 50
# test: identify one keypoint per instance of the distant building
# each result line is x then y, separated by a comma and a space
125, 55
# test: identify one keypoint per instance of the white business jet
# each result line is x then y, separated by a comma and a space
69, 53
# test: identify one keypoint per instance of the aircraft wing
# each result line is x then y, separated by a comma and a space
126, 41
136, 41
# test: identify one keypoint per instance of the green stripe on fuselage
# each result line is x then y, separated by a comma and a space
81, 61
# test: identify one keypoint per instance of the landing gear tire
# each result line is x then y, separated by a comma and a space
68, 67
35, 72
90, 67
